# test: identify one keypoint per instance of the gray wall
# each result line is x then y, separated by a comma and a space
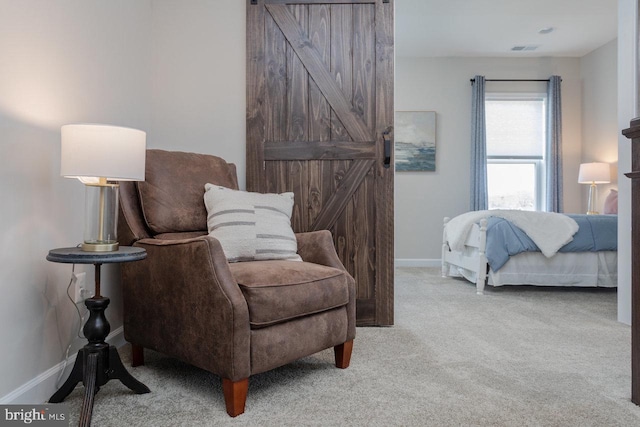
600, 132
423, 199
62, 62
198, 79
174, 69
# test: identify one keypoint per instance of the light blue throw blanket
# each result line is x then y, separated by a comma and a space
596, 233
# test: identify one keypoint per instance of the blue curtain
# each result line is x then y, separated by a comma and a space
554, 146
479, 199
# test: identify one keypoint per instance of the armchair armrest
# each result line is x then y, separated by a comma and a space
182, 300
318, 247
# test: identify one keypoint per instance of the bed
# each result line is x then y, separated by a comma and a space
502, 247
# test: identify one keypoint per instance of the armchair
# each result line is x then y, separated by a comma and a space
232, 319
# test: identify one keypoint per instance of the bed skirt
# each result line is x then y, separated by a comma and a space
584, 269
588, 269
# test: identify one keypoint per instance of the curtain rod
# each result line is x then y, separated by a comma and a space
512, 80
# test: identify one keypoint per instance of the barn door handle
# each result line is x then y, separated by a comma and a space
387, 146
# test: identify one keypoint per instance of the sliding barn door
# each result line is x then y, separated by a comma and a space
319, 123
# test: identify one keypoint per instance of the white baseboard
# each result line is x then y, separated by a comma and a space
418, 262
40, 388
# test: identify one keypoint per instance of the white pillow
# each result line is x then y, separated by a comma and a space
251, 226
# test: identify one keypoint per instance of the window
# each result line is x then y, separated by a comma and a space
516, 134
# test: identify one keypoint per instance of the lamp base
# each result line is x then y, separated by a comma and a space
99, 247
101, 217
593, 196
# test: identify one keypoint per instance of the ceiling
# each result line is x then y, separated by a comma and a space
429, 28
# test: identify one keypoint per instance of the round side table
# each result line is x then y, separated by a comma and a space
97, 362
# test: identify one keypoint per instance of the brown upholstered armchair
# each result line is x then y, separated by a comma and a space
232, 319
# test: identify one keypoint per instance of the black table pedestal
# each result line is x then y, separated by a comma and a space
97, 362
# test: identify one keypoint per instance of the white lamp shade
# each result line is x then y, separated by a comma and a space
597, 173
103, 151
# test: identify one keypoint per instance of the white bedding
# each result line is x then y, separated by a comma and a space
548, 230
586, 269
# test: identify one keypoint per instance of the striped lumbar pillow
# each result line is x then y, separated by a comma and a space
251, 226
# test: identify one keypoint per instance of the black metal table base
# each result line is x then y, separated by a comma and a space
96, 363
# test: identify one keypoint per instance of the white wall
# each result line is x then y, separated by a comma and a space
62, 62
198, 62
600, 115
627, 110
423, 199
174, 69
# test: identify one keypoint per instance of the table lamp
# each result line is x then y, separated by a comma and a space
594, 173
99, 156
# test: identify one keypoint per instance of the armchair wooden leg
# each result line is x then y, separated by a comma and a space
137, 355
235, 395
343, 354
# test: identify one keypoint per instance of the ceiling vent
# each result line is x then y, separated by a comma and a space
523, 48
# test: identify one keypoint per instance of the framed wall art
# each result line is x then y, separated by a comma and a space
415, 141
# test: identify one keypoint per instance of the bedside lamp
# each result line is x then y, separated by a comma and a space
99, 156
594, 173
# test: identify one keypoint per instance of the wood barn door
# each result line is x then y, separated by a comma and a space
319, 123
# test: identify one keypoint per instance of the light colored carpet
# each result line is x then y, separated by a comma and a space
517, 356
